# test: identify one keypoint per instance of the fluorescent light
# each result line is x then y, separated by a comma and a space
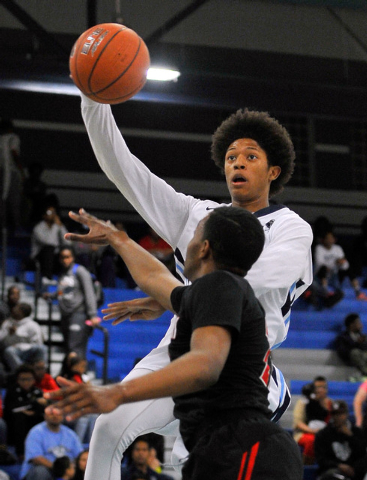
162, 74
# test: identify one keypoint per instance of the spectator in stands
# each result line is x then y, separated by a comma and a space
331, 267
46, 442
359, 254
75, 370
6, 307
6, 458
44, 381
351, 344
46, 241
311, 413
21, 338
24, 407
340, 448
157, 247
81, 464
139, 463
11, 175
77, 302
320, 227
359, 403
12, 299
35, 192
63, 468
102, 262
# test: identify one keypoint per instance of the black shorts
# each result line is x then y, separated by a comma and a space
244, 450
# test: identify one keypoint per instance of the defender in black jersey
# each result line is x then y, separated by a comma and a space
220, 364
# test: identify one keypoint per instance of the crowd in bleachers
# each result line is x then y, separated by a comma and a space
331, 429
320, 422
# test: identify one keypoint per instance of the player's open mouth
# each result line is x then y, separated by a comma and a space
238, 179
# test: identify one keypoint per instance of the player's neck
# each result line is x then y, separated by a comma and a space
252, 205
207, 266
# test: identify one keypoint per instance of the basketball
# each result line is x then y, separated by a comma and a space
109, 63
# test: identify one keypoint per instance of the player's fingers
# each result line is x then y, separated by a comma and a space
78, 218
119, 320
115, 316
84, 214
116, 304
118, 312
74, 237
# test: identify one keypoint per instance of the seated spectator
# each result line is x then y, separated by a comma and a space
139, 463
359, 403
44, 381
6, 306
351, 344
340, 448
46, 241
75, 370
331, 267
44, 443
310, 414
6, 458
81, 465
63, 468
21, 338
24, 406
157, 247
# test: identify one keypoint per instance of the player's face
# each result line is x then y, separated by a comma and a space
192, 262
248, 174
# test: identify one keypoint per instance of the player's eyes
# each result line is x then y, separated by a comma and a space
231, 158
252, 157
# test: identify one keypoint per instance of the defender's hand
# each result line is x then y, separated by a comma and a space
138, 309
77, 399
98, 229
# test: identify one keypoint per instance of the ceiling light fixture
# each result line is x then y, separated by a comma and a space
162, 74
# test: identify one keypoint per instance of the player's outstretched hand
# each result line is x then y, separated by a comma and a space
77, 399
98, 229
146, 308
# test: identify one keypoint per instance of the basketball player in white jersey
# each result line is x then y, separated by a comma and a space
256, 155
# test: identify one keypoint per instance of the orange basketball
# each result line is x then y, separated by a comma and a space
109, 63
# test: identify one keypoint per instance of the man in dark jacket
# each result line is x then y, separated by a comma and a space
351, 345
340, 448
139, 466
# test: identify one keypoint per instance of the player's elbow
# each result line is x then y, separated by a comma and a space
209, 370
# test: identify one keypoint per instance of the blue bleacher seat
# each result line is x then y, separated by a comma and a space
310, 472
128, 340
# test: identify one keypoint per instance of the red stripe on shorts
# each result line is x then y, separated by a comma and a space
245, 474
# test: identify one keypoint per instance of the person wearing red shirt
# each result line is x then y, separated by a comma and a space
44, 381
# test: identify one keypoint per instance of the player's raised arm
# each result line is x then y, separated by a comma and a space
149, 273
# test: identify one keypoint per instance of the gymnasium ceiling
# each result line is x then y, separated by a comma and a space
281, 55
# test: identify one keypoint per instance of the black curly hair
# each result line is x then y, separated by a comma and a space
271, 136
236, 238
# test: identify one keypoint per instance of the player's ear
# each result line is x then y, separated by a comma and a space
205, 249
274, 172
